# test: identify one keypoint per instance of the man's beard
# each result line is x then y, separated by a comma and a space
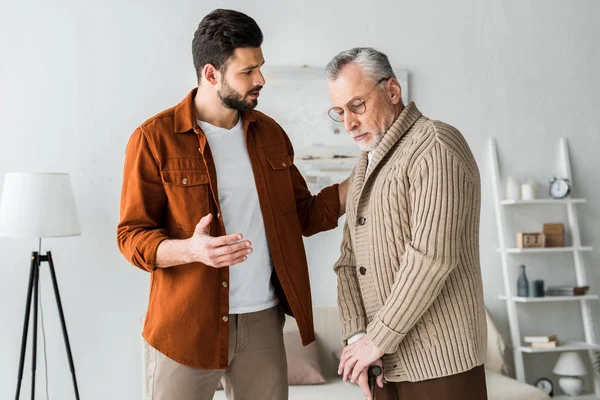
235, 101
377, 138
372, 145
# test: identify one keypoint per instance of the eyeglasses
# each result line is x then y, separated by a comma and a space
356, 106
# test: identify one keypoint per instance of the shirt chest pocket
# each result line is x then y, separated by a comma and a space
282, 181
189, 196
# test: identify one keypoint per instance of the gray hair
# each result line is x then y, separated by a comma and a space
374, 63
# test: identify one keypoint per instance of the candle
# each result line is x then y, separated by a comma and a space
512, 189
528, 190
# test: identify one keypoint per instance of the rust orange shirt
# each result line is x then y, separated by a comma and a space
169, 184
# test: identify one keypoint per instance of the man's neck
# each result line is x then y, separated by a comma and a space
398, 110
209, 108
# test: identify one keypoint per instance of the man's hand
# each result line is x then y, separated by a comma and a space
217, 252
363, 380
357, 357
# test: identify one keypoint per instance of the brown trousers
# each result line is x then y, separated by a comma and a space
468, 385
257, 364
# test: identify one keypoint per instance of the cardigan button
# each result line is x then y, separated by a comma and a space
225, 318
362, 221
224, 284
362, 270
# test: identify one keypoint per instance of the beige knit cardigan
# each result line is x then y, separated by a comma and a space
409, 273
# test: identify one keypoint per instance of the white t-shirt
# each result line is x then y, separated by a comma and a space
369, 159
250, 287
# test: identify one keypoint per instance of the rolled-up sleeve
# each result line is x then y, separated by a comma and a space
143, 201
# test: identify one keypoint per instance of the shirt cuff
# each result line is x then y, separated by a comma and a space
355, 337
144, 255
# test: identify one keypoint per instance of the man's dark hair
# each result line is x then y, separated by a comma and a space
219, 34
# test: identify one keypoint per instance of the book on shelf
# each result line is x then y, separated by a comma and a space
544, 345
540, 339
567, 290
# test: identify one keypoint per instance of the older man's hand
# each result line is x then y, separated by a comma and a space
356, 357
363, 380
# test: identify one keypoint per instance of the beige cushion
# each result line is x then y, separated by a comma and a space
494, 360
328, 331
303, 362
500, 387
337, 355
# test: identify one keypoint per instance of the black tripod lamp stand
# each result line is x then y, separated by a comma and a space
39, 205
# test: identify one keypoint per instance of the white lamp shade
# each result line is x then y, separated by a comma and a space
570, 364
38, 205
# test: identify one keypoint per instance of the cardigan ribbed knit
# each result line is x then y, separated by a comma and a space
409, 273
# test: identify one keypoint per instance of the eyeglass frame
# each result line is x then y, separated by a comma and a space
362, 101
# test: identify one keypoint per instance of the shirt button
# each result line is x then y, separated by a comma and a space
184, 181
218, 215
362, 270
362, 221
225, 318
284, 165
224, 284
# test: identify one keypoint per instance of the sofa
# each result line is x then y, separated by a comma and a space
328, 333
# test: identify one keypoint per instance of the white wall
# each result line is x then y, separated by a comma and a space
77, 79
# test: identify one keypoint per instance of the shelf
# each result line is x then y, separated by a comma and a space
581, 397
551, 299
509, 253
516, 250
566, 345
542, 201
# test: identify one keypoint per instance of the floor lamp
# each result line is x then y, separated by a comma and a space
39, 205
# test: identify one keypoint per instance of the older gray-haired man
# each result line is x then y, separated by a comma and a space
409, 282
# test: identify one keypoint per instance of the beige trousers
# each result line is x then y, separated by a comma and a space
257, 364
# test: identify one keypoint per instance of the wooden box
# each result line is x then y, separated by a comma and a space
555, 235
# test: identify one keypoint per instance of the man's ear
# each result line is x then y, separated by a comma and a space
394, 90
211, 74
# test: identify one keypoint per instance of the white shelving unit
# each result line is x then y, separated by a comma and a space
590, 345
551, 299
565, 345
541, 201
515, 250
